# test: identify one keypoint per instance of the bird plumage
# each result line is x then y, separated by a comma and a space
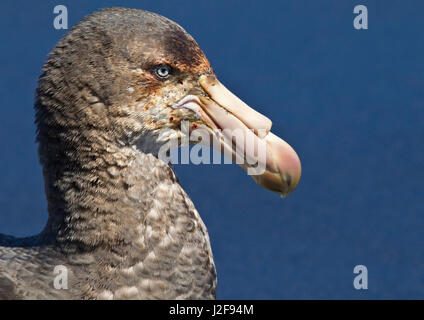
118, 218
120, 224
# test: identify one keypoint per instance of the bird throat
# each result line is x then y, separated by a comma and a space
104, 202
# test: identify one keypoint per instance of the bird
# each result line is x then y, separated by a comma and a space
115, 90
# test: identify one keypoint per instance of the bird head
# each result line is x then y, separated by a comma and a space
131, 78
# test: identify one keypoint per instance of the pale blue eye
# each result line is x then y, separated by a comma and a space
163, 71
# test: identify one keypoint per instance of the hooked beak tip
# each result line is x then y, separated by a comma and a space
284, 164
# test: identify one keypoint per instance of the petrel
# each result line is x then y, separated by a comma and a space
113, 92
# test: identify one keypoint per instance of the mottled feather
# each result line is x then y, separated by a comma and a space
119, 220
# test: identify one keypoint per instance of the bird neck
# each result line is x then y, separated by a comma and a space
98, 197
122, 215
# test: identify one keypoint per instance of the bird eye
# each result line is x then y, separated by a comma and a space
163, 71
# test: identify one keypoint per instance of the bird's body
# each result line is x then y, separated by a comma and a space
112, 93
158, 247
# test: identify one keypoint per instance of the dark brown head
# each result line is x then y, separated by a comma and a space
127, 78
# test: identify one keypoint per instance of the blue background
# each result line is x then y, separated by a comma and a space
350, 102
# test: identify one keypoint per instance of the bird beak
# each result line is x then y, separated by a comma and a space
245, 133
